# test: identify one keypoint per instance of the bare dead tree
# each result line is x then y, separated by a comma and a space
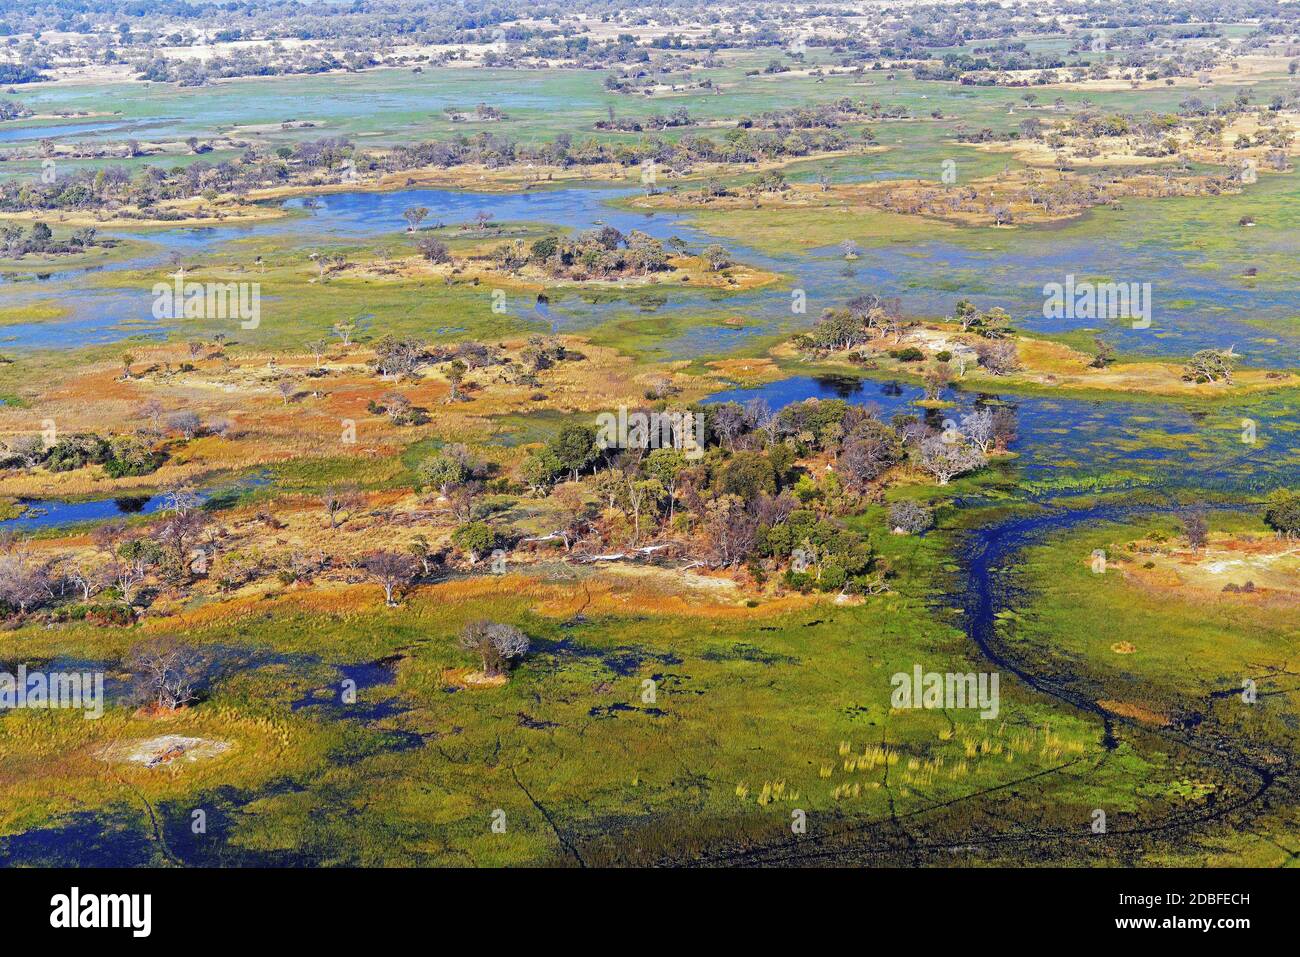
339, 500
167, 673
497, 645
392, 570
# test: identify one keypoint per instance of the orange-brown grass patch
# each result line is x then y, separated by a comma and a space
596, 592
265, 428
1127, 709
1257, 570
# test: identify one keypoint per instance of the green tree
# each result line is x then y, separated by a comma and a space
441, 471
475, 539
1282, 511
541, 468
455, 376
666, 466
575, 448
748, 474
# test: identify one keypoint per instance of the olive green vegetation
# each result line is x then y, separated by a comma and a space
750, 720
13, 315
1186, 657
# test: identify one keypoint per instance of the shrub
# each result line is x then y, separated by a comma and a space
1282, 512
77, 451
497, 645
910, 517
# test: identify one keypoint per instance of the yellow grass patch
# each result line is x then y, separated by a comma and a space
747, 372
1055, 364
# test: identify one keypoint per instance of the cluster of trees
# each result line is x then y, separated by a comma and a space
1166, 134
656, 121
120, 455
865, 318
745, 499
14, 73
973, 68
40, 241
110, 187
274, 59
599, 253
993, 323
1009, 69
336, 160
737, 145
107, 582
821, 116
870, 317
13, 110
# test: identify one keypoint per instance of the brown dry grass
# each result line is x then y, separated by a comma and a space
266, 430
1137, 712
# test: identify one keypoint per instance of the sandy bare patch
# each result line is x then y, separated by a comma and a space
164, 750
1248, 569
469, 678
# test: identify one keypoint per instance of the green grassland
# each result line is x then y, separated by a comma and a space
392, 106
751, 720
1191, 654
